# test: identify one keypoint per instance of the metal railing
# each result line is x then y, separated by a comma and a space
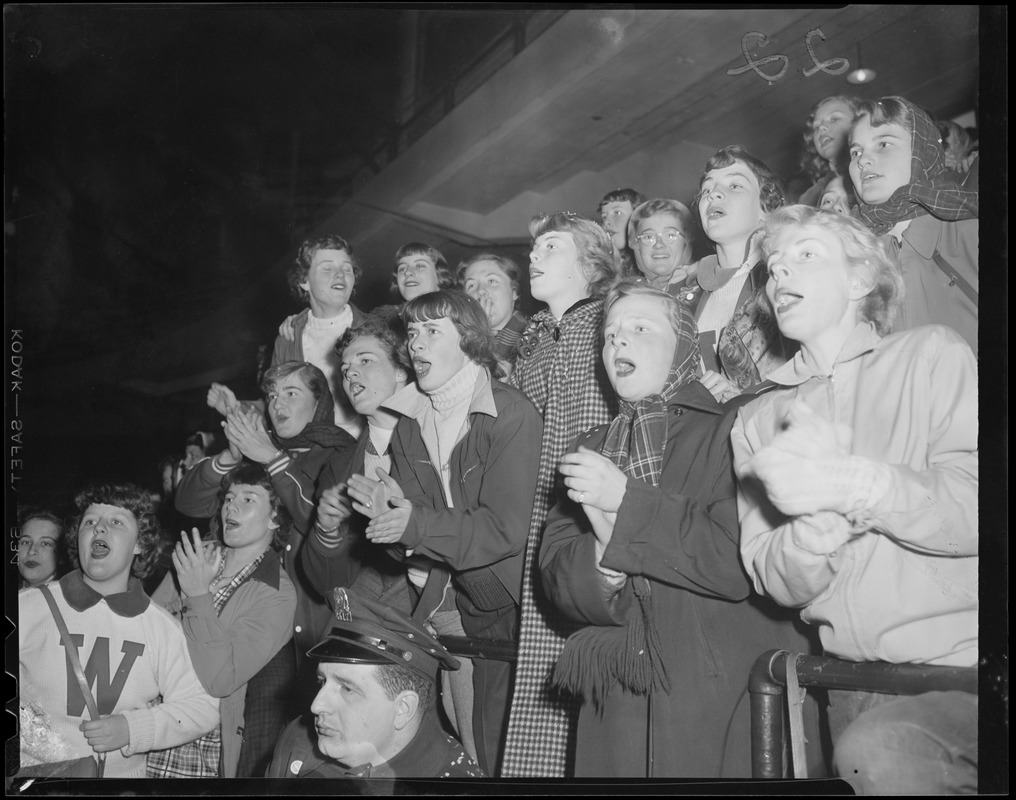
767, 689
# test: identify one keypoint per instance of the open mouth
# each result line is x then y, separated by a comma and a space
231, 523
421, 367
825, 141
356, 389
623, 367
339, 287
786, 299
869, 176
99, 549
714, 212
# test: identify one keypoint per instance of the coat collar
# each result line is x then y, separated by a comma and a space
696, 396
863, 339
410, 402
268, 570
81, 597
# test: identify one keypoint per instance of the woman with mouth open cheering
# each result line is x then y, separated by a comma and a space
642, 551
464, 458
237, 605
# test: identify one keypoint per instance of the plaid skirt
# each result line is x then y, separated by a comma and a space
197, 759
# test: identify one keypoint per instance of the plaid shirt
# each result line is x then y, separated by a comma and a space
560, 370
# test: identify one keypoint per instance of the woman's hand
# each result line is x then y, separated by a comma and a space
333, 508
372, 498
196, 564
387, 528
221, 398
106, 734
719, 387
593, 479
603, 527
246, 431
806, 434
287, 330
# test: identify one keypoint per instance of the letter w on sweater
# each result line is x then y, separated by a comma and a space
107, 693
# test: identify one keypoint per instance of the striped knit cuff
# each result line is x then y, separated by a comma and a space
219, 467
278, 464
329, 539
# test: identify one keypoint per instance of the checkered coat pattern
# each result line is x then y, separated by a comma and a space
560, 370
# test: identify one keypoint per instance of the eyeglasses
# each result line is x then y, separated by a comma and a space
650, 239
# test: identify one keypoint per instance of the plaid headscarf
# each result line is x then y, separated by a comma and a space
932, 189
638, 434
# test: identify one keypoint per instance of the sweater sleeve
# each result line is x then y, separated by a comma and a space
497, 527
198, 492
186, 712
226, 656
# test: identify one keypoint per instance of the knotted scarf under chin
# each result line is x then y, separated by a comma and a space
597, 657
933, 188
321, 431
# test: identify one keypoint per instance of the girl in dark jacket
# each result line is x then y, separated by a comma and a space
643, 550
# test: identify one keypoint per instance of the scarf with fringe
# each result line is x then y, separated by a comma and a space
933, 189
597, 657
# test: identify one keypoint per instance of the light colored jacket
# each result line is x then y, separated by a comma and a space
906, 590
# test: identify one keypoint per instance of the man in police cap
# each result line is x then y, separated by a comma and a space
374, 715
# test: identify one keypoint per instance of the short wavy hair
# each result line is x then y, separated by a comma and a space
770, 195
866, 255
131, 498
28, 513
507, 266
621, 196
301, 266
596, 249
468, 317
445, 278
813, 165
247, 473
390, 331
662, 205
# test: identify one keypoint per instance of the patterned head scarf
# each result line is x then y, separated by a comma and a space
638, 435
932, 189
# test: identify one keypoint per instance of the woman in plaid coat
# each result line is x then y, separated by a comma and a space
559, 369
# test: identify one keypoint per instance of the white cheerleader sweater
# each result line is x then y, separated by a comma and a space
134, 656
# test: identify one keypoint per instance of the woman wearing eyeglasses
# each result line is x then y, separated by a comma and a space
661, 233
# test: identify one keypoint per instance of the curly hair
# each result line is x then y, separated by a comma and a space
593, 243
445, 278
130, 498
812, 164
247, 473
389, 331
301, 266
770, 186
662, 206
468, 317
866, 254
